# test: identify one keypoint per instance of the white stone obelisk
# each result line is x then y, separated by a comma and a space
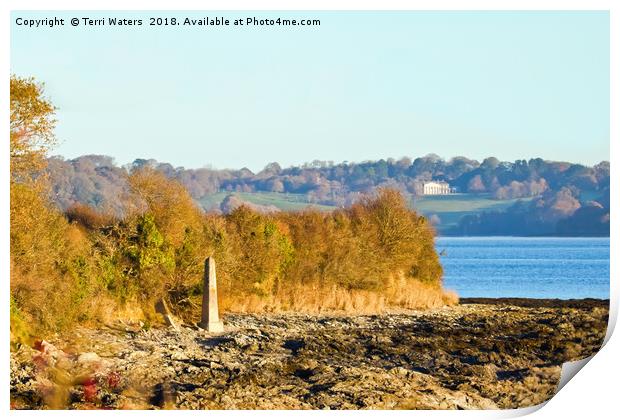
210, 319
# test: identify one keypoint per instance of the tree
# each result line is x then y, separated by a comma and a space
271, 169
561, 204
32, 127
476, 185
168, 201
47, 286
276, 185
490, 163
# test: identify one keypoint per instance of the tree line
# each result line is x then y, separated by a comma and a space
92, 179
559, 198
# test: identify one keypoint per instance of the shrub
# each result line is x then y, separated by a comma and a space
39, 253
259, 250
87, 217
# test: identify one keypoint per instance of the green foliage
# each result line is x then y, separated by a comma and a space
260, 251
133, 259
80, 271
147, 249
20, 332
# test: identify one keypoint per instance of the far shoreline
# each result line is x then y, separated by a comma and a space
581, 303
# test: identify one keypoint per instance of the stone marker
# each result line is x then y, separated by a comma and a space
210, 320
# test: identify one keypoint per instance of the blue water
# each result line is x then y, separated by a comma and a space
563, 268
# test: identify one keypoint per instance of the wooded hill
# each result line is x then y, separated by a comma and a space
548, 198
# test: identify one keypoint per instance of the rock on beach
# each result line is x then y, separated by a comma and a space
481, 354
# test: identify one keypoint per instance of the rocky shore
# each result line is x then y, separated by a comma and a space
482, 353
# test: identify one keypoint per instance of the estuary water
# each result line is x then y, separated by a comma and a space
564, 268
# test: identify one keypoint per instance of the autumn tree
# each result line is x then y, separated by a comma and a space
48, 281
167, 200
32, 127
476, 185
172, 213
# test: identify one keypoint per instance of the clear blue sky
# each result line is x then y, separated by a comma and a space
363, 85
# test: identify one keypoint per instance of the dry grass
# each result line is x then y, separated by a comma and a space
314, 299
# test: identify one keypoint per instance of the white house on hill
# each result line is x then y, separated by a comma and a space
438, 188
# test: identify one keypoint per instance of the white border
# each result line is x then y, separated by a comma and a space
592, 394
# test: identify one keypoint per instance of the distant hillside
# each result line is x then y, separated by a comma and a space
534, 197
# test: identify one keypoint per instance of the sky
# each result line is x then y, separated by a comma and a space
361, 86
